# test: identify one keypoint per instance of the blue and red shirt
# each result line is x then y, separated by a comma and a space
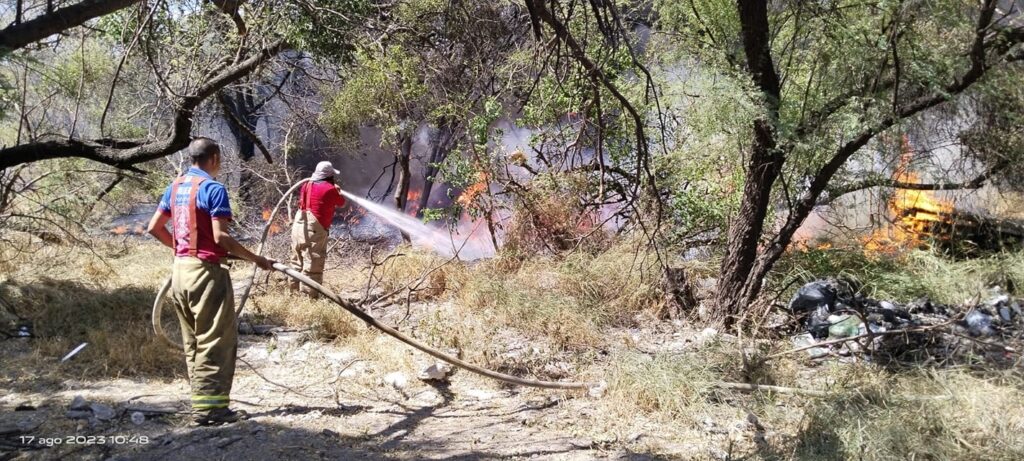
211, 203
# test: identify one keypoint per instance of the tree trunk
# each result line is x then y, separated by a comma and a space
126, 153
736, 289
402, 157
439, 149
402, 192
242, 105
22, 33
749, 255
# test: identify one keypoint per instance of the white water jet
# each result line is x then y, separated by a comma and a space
473, 245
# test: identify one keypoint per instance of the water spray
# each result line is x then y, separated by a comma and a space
421, 234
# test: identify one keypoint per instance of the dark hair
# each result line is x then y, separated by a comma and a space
201, 149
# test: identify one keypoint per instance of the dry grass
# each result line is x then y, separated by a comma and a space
102, 296
874, 414
421, 270
326, 319
908, 276
570, 302
872, 418
567, 300
564, 300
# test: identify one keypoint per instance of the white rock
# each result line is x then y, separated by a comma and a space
397, 380
429, 397
352, 371
437, 372
340, 356
557, 370
599, 390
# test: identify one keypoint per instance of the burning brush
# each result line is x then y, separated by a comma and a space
921, 219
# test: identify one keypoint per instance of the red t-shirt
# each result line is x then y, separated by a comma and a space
321, 198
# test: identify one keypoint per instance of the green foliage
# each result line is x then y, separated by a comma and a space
844, 68
480, 124
324, 28
711, 29
995, 139
382, 88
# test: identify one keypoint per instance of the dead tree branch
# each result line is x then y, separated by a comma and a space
125, 153
23, 33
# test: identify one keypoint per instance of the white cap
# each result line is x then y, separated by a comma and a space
323, 171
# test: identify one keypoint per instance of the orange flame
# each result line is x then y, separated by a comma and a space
275, 228
913, 213
412, 202
469, 195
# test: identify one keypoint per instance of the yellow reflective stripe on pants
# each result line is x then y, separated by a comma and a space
205, 402
208, 406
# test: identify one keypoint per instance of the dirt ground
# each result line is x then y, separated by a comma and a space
336, 405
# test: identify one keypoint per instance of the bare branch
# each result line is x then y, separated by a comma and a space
126, 153
21, 34
881, 181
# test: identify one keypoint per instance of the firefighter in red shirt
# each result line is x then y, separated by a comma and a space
317, 201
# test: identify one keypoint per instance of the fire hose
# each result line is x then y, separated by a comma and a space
361, 315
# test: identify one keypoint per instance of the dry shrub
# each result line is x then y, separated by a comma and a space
549, 219
425, 272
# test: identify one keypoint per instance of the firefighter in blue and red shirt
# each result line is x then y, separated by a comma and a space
197, 207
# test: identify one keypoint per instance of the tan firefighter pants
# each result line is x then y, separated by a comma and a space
205, 303
309, 250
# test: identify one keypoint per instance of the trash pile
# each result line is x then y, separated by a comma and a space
831, 310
